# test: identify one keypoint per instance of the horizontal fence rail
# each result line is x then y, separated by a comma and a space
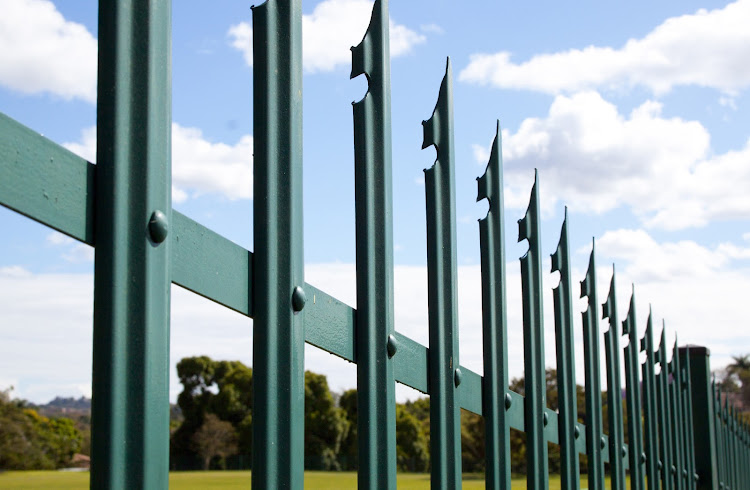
682, 432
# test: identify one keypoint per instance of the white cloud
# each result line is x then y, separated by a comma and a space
700, 291
328, 32
199, 166
595, 159
41, 52
707, 49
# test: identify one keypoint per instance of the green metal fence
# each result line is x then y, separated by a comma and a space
682, 434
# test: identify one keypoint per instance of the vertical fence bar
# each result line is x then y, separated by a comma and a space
649, 408
376, 343
445, 415
278, 335
535, 385
130, 374
721, 457
494, 323
665, 415
566, 376
732, 425
677, 417
703, 418
614, 391
594, 430
636, 457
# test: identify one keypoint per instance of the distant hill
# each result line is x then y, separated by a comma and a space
68, 407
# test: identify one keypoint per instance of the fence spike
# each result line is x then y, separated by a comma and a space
566, 376
535, 392
594, 429
650, 408
445, 416
614, 390
376, 385
677, 430
665, 415
633, 398
494, 322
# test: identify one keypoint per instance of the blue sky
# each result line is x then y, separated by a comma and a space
636, 116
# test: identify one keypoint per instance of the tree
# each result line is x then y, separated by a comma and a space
215, 438
31, 441
412, 444
326, 425
736, 377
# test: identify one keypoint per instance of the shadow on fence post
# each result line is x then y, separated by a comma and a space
703, 414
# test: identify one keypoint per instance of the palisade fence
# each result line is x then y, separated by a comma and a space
687, 439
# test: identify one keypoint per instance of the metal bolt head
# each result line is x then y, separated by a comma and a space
392, 345
508, 401
545, 419
674, 469
457, 376
299, 298
158, 226
576, 432
603, 443
643, 458
624, 451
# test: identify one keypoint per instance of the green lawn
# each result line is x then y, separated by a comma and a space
229, 480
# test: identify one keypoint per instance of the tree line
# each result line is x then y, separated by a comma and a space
216, 431
31, 441
211, 426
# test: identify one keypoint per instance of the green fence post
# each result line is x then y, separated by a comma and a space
496, 399
566, 376
678, 442
687, 388
614, 391
636, 457
650, 408
594, 429
535, 392
279, 297
130, 375
376, 343
445, 413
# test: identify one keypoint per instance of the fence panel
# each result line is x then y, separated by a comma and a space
122, 206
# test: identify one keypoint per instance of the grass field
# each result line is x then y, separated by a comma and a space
230, 480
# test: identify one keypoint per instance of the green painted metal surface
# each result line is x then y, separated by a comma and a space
130, 381
494, 322
617, 451
376, 398
445, 416
704, 428
650, 415
594, 425
636, 455
535, 389
665, 416
142, 246
278, 268
566, 376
